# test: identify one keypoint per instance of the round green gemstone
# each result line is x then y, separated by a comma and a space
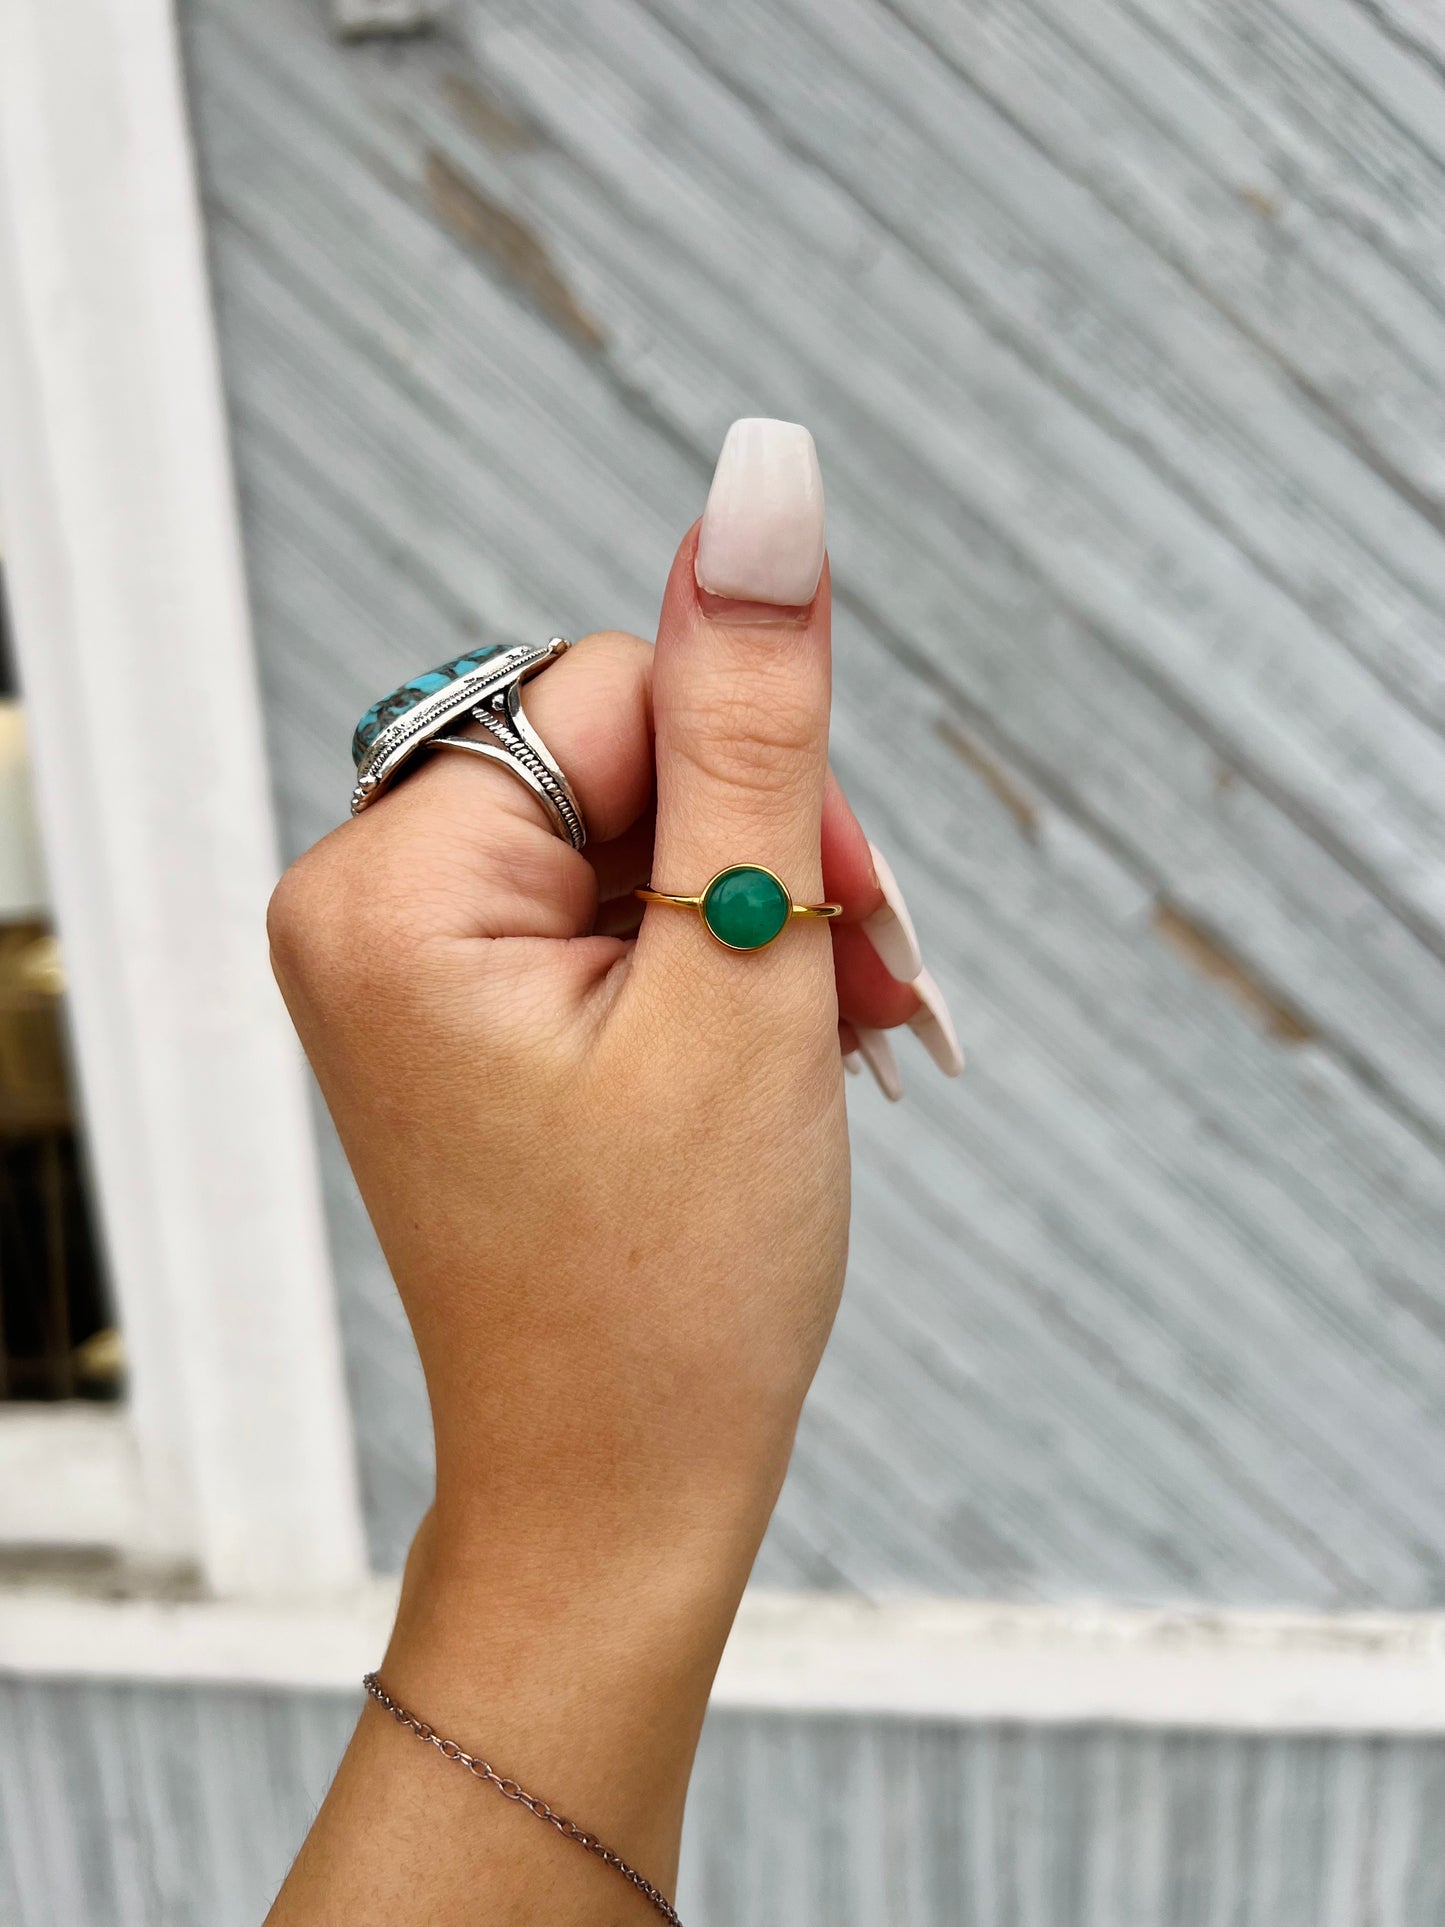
745, 907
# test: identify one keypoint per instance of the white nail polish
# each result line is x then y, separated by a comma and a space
877, 1054
762, 537
890, 929
852, 1062
933, 1027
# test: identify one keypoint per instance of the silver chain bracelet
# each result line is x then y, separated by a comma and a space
510, 1790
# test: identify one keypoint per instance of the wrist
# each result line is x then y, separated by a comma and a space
681, 1498
587, 1679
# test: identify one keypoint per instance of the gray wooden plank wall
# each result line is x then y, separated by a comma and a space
174, 1807
1121, 330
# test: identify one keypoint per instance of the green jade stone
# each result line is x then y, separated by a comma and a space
745, 907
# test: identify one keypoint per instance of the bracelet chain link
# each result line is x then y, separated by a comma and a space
510, 1790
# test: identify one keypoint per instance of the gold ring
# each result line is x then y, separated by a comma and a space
744, 907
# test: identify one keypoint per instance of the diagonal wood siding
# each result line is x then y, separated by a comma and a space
1120, 330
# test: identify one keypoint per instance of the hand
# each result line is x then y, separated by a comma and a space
611, 1180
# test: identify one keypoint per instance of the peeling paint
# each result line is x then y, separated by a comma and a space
995, 778
485, 117
495, 232
1210, 958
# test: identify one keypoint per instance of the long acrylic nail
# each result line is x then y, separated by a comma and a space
877, 1054
933, 1026
852, 1062
890, 928
762, 537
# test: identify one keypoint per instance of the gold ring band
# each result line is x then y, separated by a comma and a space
744, 907
696, 903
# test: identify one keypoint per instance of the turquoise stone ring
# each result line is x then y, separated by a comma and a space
744, 907
482, 688
406, 698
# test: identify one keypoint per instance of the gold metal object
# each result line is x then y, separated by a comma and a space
698, 903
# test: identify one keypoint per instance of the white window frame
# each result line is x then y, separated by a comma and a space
122, 560
945, 1660
234, 1452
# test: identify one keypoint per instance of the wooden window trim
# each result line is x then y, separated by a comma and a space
123, 564
947, 1660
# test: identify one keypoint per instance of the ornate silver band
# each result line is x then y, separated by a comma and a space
422, 715
519, 749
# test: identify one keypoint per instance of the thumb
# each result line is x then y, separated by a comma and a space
741, 688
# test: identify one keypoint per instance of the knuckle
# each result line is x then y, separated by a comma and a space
295, 909
752, 743
323, 922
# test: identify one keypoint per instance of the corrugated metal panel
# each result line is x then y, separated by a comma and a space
163, 1807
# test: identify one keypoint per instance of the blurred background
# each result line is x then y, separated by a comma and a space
1121, 331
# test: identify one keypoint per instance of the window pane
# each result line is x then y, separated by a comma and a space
57, 1333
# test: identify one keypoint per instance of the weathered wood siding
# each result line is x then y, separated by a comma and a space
176, 1808
1121, 331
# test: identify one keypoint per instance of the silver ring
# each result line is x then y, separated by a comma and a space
484, 687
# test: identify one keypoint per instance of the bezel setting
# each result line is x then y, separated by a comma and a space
785, 899
489, 687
